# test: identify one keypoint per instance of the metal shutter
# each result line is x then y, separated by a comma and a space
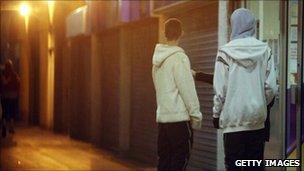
80, 89
143, 36
200, 44
109, 52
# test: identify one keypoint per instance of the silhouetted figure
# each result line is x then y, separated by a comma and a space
10, 85
3, 129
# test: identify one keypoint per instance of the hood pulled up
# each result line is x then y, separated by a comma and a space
246, 51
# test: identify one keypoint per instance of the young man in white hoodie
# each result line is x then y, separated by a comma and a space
244, 83
177, 103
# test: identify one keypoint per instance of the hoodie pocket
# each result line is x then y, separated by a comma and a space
246, 115
256, 116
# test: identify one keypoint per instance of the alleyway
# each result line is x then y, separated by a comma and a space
33, 148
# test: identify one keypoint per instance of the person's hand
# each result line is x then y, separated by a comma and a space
195, 124
193, 72
216, 123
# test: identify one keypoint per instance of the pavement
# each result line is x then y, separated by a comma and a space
32, 148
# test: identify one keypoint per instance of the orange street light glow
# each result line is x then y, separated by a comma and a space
50, 2
24, 9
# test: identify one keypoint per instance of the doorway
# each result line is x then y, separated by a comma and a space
294, 113
280, 24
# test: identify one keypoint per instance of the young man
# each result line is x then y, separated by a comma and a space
244, 84
177, 102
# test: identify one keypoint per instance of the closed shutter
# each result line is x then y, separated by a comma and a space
109, 54
200, 44
80, 90
142, 37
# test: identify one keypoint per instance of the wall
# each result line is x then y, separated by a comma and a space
222, 39
45, 114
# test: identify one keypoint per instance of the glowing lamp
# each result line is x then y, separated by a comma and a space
24, 10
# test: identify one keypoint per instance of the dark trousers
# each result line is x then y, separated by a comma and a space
9, 108
244, 145
174, 145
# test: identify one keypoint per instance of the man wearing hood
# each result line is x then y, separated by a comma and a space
177, 102
244, 84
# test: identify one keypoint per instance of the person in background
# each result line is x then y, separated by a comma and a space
3, 130
244, 84
10, 85
177, 103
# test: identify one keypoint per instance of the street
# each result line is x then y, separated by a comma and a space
32, 148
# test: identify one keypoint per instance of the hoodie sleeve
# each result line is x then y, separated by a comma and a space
270, 82
186, 87
220, 82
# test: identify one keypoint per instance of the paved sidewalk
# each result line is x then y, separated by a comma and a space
36, 149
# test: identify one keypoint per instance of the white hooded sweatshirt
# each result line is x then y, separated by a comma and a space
244, 83
175, 90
